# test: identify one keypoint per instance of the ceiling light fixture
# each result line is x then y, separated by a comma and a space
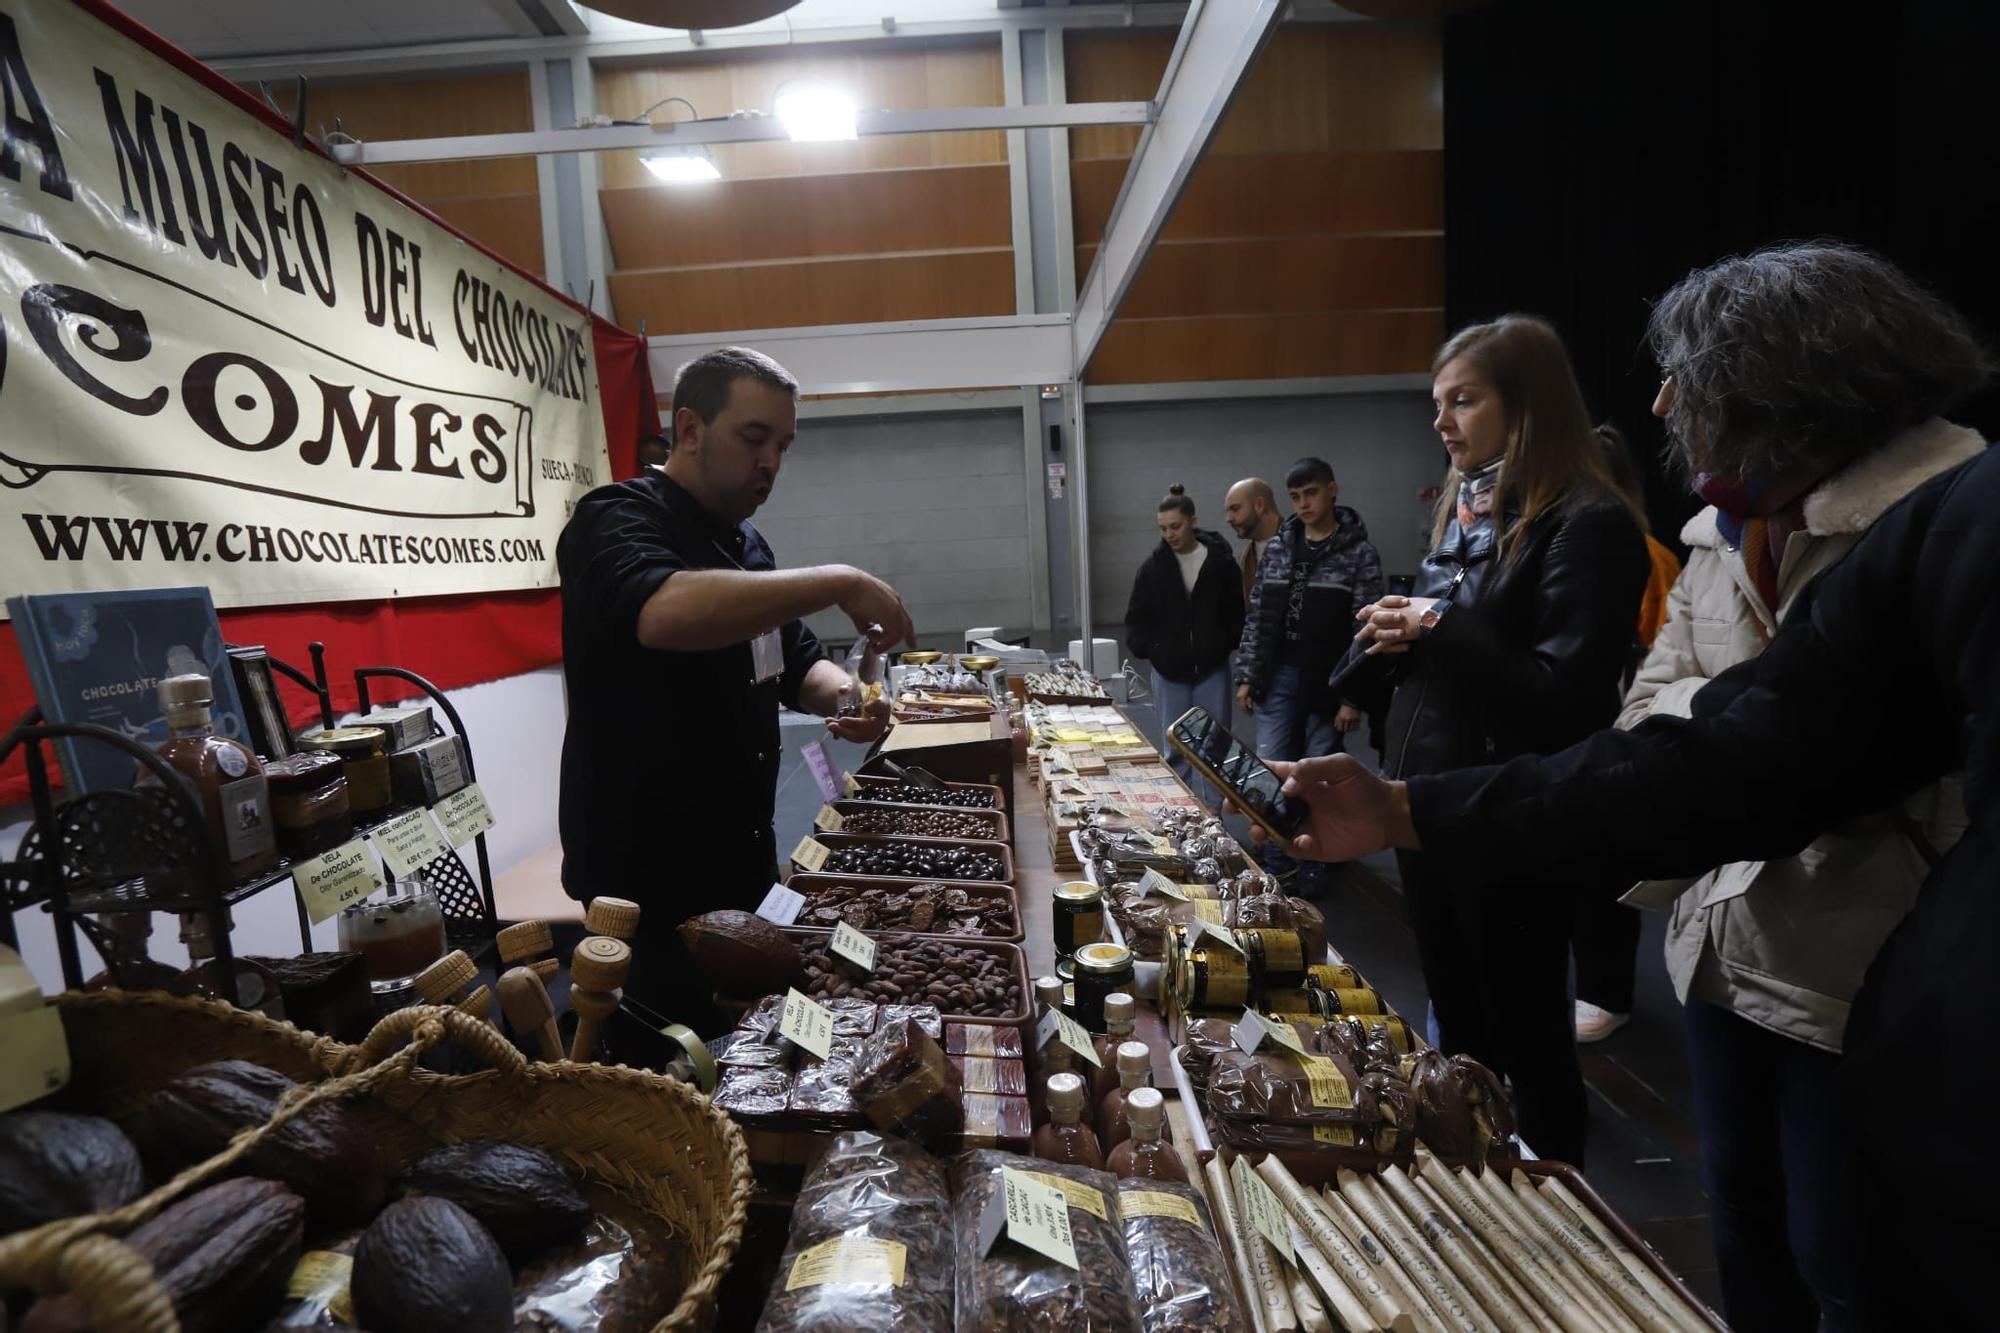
680, 166
812, 112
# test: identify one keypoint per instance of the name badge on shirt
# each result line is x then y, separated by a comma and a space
767, 657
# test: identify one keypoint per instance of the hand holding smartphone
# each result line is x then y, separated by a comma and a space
1251, 787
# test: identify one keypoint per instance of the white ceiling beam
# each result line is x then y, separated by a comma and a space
922, 355
617, 46
752, 129
1219, 42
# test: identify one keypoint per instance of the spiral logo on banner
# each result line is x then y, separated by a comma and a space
225, 359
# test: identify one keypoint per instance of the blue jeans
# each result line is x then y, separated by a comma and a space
1171, 699
1287, 729
1774, 1161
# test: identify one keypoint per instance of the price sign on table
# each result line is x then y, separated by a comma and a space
408, 843
854, 946
1059, 1026
464, 815
781, 906
331, 880
810, 854
821, 765
1261, 1206
1038, 1217
807, 1023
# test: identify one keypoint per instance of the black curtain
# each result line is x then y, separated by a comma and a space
1596, 150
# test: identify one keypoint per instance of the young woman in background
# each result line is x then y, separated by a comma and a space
1185, 616
1516, 644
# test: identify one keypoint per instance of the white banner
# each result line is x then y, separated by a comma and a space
226, 360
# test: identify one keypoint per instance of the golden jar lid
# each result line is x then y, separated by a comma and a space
1103, 958
347, 742
1078, 891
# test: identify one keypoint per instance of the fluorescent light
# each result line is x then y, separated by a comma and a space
815, 113
679, 166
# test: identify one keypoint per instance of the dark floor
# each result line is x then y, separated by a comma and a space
1642, 1144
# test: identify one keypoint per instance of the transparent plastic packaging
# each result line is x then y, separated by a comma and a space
1013, 1289
871, 1245
1178, 1270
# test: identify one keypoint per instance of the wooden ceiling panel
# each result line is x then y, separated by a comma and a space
779, 217
509, 223
943, 285
895, 80
1281, 194
1148, 351
433, 107
1285, 274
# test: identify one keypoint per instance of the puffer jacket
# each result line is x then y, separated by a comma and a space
1534, 650
1784, 943
1347, 578
1186, 636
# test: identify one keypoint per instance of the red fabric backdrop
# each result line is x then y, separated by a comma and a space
451, 641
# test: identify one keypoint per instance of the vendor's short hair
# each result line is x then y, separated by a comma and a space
702, 385
1806, 354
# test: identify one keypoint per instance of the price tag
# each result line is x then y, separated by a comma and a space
1154, 881
828, 820
850, 784
781, 906
807, 1023
464, 815
1214, 930
850, 1260
1038, 1217
854, 946
408, 843
822, 771
810, 854
32, 1035
1261, 1206
1256, 1028
1146, 1203
1057, 1025
331, 880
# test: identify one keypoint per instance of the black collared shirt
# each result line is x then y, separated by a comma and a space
670, 760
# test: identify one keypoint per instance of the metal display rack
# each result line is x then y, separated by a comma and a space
96, 852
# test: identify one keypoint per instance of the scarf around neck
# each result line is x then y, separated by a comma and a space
1477, 488
1758, 515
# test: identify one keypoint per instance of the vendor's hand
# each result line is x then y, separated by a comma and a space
865, 726
1350, 810
874, 606
1347, 719
1243, 699
1392, 624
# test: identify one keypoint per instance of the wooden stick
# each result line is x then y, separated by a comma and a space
1229, 1221
525, 1001
1482, 1246
1669, 1300
1443, 1232
1596, 1260
1344, 1275
1555, 1259
1386, 1269
1554, 1295
1438, 1284
597, 973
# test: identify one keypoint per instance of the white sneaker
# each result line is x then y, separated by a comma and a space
1594, 1024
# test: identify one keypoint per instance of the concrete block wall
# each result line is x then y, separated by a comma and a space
1380, 445
935, 504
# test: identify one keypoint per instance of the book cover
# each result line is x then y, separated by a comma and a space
99, 657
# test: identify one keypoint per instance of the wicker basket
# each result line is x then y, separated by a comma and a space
657, 1142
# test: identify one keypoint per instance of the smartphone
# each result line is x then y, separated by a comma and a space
1227, 762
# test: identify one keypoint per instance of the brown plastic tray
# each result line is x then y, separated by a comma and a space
735, 1006
871, 780
994, 818
999, 849
984, 888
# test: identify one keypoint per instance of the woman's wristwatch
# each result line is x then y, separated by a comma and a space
1434, 613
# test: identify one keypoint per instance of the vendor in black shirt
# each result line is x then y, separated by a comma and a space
681, 638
